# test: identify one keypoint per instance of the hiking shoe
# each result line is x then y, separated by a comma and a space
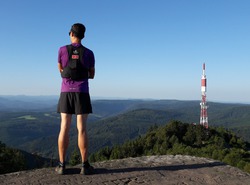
87, 170
60, 169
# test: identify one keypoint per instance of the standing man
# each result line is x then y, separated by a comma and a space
76, 64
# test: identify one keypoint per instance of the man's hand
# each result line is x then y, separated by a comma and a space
60, 67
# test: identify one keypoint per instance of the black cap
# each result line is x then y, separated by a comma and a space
78, 30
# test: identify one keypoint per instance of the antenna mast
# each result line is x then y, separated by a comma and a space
203, 116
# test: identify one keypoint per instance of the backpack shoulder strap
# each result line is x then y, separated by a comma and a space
69, 49
81, 51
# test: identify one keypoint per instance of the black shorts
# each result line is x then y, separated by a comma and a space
74, 103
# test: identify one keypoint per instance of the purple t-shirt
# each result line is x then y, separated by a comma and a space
88, 61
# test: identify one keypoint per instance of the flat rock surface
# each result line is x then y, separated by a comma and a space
156, 170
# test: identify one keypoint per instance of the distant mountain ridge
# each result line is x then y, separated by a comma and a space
26, 103
29, 103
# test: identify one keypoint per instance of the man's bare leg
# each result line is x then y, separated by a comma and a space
63, 139
87, 169
82, 136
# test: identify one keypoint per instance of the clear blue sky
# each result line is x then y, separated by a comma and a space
143, 48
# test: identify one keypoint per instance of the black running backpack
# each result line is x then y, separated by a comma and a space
75, 69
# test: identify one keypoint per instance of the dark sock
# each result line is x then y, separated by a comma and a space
61, 164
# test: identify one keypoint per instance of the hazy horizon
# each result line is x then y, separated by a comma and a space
119, 98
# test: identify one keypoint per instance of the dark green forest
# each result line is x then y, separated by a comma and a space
185, 139
12, 160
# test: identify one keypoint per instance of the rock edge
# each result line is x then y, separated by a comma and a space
154, 170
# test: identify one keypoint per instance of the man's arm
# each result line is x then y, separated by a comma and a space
92, 73
60, 67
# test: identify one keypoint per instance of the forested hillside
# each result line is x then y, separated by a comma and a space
187, 139
12, 160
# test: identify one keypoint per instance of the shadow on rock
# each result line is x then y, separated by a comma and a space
158, 168
71, 171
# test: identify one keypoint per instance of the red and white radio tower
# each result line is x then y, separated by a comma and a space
203, 116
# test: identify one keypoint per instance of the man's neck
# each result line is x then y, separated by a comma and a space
75, 40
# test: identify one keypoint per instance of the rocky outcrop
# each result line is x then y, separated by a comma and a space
156, 170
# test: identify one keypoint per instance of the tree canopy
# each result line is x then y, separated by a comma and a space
186, 139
